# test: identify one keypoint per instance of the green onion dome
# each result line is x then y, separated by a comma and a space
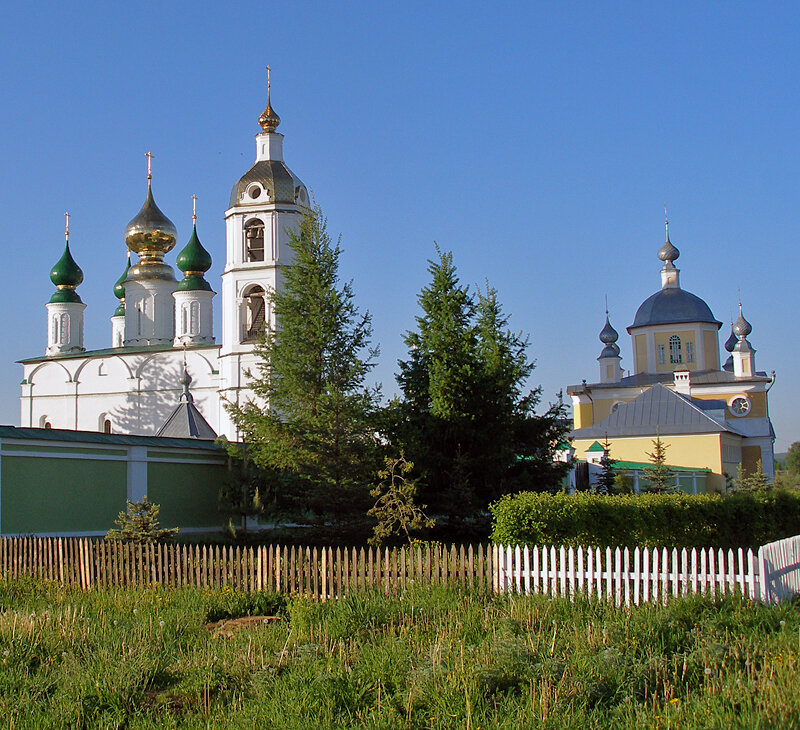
66, 275
119, 290
119, 284
194, 261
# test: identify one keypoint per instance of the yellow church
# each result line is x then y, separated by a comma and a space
712, 417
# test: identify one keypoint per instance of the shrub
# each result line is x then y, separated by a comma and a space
742, 519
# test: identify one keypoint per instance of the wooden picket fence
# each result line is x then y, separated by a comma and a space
622, 575
627, 576
320, 573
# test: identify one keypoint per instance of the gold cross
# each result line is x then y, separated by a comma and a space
149, 156
66, 232
269, 82
194, 209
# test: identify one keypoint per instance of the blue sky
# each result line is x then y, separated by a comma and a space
538, 142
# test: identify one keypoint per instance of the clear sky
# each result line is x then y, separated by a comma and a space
537, 141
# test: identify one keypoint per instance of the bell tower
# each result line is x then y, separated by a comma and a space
266, 203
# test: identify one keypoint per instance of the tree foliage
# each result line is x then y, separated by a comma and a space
792, 460
660, 477
395, 507
139, 524
751, 481
465, 416
314, 420
606, 478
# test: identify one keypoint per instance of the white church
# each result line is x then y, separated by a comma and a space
163, 325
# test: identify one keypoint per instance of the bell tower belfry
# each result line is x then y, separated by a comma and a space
265, 204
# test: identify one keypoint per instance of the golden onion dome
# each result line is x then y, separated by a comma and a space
150, 234
269, 119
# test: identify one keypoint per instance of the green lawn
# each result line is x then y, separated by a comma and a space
422, 659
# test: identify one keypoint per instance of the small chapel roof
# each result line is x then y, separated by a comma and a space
186, 420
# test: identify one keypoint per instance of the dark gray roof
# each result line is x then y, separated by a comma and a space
657, 410
93, 437
698, 377
186, 422
274, 176
673, 306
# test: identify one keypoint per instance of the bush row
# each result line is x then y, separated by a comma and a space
742, 519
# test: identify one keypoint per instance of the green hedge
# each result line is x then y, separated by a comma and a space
742, 519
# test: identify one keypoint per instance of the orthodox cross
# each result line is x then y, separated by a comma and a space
194, 209
66, 231
149, 156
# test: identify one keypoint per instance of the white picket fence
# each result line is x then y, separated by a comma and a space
639, 575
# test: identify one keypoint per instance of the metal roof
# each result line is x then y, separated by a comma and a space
657, 410
275, 177
673, 306
186, 422
115, 351
109, 439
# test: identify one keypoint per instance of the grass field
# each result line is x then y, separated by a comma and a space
423, 659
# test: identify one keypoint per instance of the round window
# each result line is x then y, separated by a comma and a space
740, 405
255, 192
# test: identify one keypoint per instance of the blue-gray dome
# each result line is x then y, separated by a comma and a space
672, 306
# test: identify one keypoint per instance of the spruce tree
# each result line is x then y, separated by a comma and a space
465, 416
606, 479
660, 477
139, 524
316, 419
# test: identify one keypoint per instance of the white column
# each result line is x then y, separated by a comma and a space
149, 312
194, 317
64, 327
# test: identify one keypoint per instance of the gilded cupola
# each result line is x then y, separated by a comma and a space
151, 235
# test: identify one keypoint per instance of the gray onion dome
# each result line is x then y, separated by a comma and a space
608, 334
730, 343
610, 350
741, 327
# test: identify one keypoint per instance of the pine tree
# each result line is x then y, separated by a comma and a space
660, 477
318, 424
139, 524
606, 479
464, 415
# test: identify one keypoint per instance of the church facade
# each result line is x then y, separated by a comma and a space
162, 331
713, 417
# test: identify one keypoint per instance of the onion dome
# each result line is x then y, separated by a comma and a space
610, 350
194, 261
673, 306
119, 289
608, 334
269, 119
151, 235
66, 275
730, 343
741, 327
668, 253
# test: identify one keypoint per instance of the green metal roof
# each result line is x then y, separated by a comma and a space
94, 437
116, 351
595, 447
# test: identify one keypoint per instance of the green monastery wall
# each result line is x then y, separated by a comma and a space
75, 482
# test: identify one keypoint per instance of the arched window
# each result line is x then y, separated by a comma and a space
54, 331
255, 314
63, 333
106, 426
194, 318
254, 240
675, 354
48, 425
690, 352
184, 319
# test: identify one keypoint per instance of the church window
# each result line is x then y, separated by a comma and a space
48, 425
254, 240
255, 308
54, 331
63, 330
106, 426
675, 353
690, 352
662, 354
194, 318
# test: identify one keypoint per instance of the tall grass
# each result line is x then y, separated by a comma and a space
425, 658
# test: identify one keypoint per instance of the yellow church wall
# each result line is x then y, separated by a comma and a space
711, 347
662, 338
701, 451
640, 350
582, 415
758, 401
